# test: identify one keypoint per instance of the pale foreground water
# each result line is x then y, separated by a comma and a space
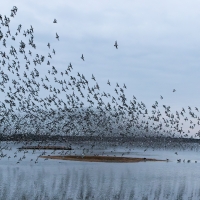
55, 179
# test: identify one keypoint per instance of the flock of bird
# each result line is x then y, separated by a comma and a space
61, 103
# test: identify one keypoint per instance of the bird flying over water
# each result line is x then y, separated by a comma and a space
82, 57
116, 45
57, 36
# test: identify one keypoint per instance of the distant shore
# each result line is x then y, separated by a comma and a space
60, 138
45, 148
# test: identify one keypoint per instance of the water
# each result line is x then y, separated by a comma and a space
54, 179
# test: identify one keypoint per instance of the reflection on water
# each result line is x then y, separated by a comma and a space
55, 179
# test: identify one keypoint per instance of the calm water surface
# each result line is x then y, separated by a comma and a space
54, 179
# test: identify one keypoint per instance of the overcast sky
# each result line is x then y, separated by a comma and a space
159, 43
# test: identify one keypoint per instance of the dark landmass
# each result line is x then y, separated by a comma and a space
46, 147
59, 138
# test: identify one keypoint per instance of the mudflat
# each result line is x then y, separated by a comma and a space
101, 159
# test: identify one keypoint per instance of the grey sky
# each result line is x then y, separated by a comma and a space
159, 43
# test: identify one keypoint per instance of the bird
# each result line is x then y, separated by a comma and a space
174, 90
54, 21
57, 36
116, 45
93, 77
82, 58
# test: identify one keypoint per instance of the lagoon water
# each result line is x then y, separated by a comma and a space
58, 179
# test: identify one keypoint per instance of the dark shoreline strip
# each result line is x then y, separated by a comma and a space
45, 147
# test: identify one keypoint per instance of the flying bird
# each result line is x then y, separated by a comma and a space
54, 21
82, 57
57, 36
116, 45
93, 77
70, 65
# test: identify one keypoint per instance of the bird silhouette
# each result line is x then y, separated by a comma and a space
82, 58
57, 36
116, 45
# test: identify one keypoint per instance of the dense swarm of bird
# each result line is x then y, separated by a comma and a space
84, 110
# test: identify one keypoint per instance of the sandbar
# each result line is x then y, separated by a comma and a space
101, 159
